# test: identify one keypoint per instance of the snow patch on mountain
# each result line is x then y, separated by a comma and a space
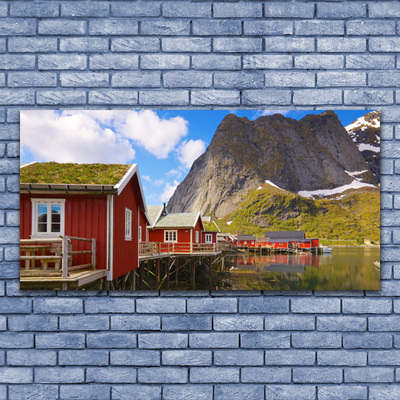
273, 184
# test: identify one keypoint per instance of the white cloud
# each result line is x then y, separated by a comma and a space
168, 191
263, 113
158, 182
174, 172
71, 137
146, 178
158, 136
189, 151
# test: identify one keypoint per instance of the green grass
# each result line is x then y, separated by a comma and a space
52, 172
355, 217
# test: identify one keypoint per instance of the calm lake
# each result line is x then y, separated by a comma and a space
346, 268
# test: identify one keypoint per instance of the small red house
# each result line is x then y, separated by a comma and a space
246, 240
180, 230
210, 232
101, 201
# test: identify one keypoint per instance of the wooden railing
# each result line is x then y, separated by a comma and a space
55, 256
151, 249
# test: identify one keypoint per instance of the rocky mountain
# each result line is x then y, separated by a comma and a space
311, 154
366, 134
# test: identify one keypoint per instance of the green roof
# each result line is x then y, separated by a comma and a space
210, 227
69, 173
177, 220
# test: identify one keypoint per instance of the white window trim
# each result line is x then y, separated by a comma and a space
140, 233
38, 235
197, 236
170, 231
128, 234
208, 237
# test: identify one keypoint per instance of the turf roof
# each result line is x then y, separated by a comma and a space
65, 173
210, 227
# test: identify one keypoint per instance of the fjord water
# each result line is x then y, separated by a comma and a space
346, 268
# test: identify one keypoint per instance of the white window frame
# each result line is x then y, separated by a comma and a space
208, 238
48, 234
169, 236
128, 227
197, 236
140, 233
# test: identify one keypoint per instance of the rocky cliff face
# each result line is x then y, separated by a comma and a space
366, 134
310, 154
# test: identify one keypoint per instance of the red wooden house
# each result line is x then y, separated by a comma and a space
180, 232
209, 235
246, 241
100, 201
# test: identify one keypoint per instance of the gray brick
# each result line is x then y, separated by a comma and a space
212, 305
85, 9
341, 45
384, 357
238, 357
214, 340
16, 340
111, 340
129, 9
59, 97
342, 78
370, 61
14, 61
164, 61
139, 44
15, 305
290, 357
386, 323
342, 358
386, 132
288, 10
237, 45
83, 357
265, 340
179, 392
61, 61
176, 97
113, 61
367, 341
366, 306
368, 97
241, 323
83, 44
110, 375
270, 97
340, 11
289, 79
57, 306
83, 79
263, 374
347, 392
61, 27
37, 9
367, 374
31, 357
316, 27
382, 45
384, 78
186, 323
384, 392
32, 323
320, 96
263, 305
186, 79
3, 9
193, 45
314, 375
113, 27
186, 10
341, 323
32, 391
93, 391
325, 306
61, 340
135, 322
31, 45
289, 323
135, 357
268, 27
16, 375
109, 306
319, 61
382, 10
163, 340
163, 375
234, 392
370, 28
60, 375
165, 28
216, 62
186, 357
137, 392
239, 10
32, 79
216, 27
319, 340
84, 322
214, 97
289, 392
19, 26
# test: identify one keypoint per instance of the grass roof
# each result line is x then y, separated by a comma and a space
210, 227
65, 173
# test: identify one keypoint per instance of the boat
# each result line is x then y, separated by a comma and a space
326, 250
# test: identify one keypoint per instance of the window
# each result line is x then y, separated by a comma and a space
140, 233
128, 224
197, 236
208, 238
171, 236
47, 217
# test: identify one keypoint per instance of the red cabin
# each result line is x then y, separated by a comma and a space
104, 202
246, 241
210, 232
180, 232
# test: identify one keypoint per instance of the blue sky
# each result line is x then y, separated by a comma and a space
163, 143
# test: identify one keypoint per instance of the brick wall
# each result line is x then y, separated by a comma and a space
197, 345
